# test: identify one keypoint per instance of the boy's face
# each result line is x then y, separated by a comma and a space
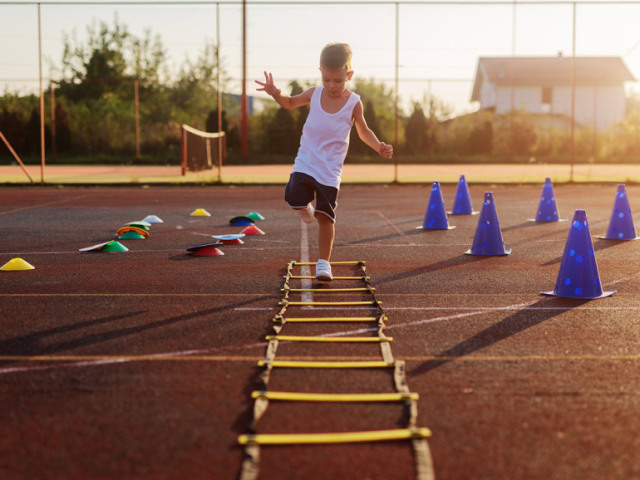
335, 81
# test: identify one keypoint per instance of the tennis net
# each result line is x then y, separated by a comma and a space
202, 150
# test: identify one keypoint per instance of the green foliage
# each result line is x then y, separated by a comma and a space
417, 132
95, 100
357, 146
95, 114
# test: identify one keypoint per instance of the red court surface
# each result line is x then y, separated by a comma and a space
141, 364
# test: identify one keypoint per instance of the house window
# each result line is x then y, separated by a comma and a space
546, 99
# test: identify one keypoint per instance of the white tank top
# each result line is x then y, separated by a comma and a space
325, 140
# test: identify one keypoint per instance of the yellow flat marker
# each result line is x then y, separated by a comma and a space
347, 437
336, 397
297, 304
310, 277
308, 364
328, 290
330, 319
296, 338
350, 262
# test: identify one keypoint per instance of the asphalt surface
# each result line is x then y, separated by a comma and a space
140, 364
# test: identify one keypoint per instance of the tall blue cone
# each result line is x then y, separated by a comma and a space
621, 223
488, 239
547, 208
462, 203
435, 217
578, 276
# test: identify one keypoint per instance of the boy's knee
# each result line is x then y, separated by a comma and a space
324, 218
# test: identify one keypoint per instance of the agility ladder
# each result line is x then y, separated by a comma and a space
417, 436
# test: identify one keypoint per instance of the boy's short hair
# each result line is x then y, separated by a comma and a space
336, 56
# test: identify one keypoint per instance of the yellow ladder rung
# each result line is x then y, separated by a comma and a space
336, 397
330, 319
349, 262
297, 304
328, 290
347, 437
295, 338
308, 364
309, 277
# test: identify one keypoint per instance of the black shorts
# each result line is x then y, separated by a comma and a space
303, 188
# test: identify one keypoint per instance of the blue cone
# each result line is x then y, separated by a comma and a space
462, 203
578, 276
488, 239
547, 208
435, 217
621, 223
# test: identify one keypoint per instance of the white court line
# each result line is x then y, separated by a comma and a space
510, 307
254, 309
304, 257
613, 282
470, 313
40, 205
444, 309
395, 227
116, 360
124, 359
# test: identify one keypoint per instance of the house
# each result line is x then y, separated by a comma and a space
543, 85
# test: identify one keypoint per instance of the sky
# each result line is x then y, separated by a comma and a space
438, 44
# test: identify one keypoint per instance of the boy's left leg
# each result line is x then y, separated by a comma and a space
326, 235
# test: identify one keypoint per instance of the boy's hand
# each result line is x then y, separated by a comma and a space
385, 150
268, 86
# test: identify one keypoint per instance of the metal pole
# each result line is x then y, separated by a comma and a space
15, 155
511, 80
42, 145
137, 110
219, 92
396, 113
53, 118
244, 107
573, 92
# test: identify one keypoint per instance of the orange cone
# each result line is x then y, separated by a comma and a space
252, 230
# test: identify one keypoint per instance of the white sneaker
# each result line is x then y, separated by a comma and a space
323, 271
306, 213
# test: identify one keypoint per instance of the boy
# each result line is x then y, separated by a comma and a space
317, 168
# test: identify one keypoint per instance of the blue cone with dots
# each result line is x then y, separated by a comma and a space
547, 208
462, 203
435, 217
488, 238
578, 276
621, 223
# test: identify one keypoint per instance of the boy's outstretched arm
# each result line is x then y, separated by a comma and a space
367, 135
285, 101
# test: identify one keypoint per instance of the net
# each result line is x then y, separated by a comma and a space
202, 150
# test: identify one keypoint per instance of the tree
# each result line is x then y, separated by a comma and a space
63, 130
481, 138
211, 125
300, 113
281, 139
13, 128
92, 70
358, 146
416, 131
32, 140
193, 95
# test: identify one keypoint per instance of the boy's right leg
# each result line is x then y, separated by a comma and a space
299, 194
306, 213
